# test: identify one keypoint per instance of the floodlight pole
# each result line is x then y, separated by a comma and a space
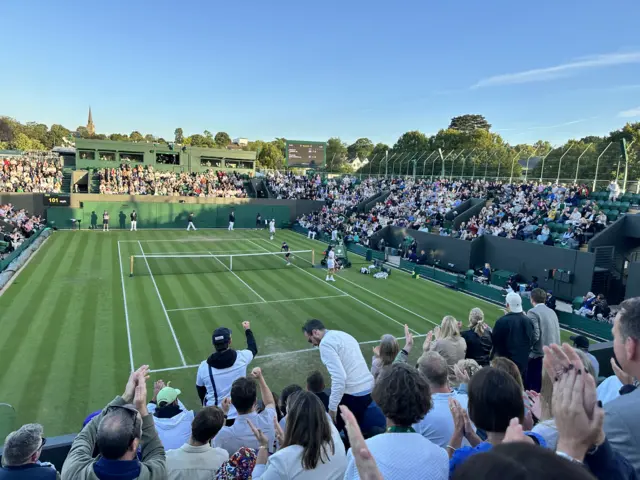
543, 159
464, 162
575, 180
424, 164
453, 161
626, 163
595, 178
560, 162
415, 163
513, 164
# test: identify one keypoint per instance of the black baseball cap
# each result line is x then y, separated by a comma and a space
580, 341
221, 336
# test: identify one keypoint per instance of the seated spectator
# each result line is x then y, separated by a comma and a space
581, 343
402, 393
172, 419
494, 399
310, 446
239, 466
446, 340
118, 432
478, 338
422, 259
244, 398
196, 459
437, 425
601, 310
316, 385
588, 302
21, 453
284, 398
544, 235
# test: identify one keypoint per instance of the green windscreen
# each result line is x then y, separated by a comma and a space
195, 264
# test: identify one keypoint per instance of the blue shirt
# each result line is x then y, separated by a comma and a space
461, 455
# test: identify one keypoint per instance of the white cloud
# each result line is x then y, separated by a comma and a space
633, 112
559, 71
565, 124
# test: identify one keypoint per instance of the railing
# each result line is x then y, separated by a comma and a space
4, 263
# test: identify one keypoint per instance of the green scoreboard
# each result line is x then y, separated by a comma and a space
304, 154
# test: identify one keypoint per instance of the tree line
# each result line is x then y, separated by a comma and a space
467, 147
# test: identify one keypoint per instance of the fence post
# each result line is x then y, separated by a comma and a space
595, 178
513, 164
453, 161
575, 180
560, 161
543, 159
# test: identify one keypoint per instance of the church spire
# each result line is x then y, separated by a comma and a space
91, 128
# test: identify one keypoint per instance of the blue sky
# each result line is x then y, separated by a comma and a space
548, 69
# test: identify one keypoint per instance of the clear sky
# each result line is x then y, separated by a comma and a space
543, 69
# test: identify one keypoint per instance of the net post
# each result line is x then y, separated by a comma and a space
131, 266
231, 262
313, 258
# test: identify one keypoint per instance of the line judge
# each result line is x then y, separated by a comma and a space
351, 380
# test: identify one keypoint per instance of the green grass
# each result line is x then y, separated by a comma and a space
65, 349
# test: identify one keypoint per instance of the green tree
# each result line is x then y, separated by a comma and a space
222, 139
413, 141
119, 137
468, 123
6, 130
361, 148
179, 135
82, 132
136, 136
22, 142
270, 156
197, 140
336, 153
208, 134
57, 133
149, 138
281, 143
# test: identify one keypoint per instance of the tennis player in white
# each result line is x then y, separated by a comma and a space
331, 264
272, 228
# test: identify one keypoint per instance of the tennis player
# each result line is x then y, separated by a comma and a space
232, 219
105, 221
190, 225
272, 228
287, 255
331, 264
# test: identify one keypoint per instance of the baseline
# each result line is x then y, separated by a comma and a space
255, 303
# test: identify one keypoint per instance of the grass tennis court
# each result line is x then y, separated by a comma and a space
74, 322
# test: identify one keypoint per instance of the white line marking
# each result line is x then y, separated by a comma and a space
277, 354
341, 291
256, 303
126, 311
190, 239
163, 307
236, 275
188, 254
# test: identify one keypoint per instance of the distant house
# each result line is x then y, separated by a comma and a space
242, 142
357, 164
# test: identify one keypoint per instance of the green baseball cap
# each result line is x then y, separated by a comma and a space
168, 395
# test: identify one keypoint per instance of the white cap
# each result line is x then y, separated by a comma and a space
514, 301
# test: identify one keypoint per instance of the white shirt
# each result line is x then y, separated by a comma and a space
287, 463
342, 356
272, 226
437, 426
223, 379
609, 389
195, 463
240, 434
404, 456
175, 431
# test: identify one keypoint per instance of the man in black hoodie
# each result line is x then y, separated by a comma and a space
217, 373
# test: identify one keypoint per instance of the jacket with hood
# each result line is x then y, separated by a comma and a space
224, 367
173, 423
80, 465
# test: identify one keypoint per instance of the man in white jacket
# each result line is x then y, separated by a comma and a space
172, 419
351, 380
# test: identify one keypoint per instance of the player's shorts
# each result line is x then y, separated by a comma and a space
272, 231
331, 264
105, 222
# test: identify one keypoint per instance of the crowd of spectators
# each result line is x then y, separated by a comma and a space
508, 402
144, 180
34, 172
525, 212
16, 225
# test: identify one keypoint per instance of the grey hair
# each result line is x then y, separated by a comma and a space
20, 445
434, 367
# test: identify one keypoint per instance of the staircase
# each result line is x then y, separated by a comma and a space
66, 181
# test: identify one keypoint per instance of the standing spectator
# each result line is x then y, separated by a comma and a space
232, 219
244, 397
478, 338
197, 459
546, 330
448, 343
134, 221
190, 224
582, 343
402, 393
513, 334
172, 419
437, 426
21, 453
351, 380
310, 446
614, 191
258, 221
118, 432
105, 221
217, 373
389, 351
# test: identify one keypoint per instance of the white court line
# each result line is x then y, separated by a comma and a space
256, 303
341, 291
126, 311
190, 239
163, 307
236, 275
278, 354
197, 252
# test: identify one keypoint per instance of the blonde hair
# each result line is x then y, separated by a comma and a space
449, 327
389, 349
476, 321
469, 366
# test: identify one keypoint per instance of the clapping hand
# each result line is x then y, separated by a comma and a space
624, 377
225, 405
366, 464
376, 350
263, 441
159, 385
461, 375
559, 361
427, 342
535, 403
134, 378
515, 433
279, 431
458, 416
246, 326
256, 373
408, 339
140, 400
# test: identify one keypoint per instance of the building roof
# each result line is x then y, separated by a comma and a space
533, 162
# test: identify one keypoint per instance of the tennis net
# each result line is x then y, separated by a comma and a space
160, 264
